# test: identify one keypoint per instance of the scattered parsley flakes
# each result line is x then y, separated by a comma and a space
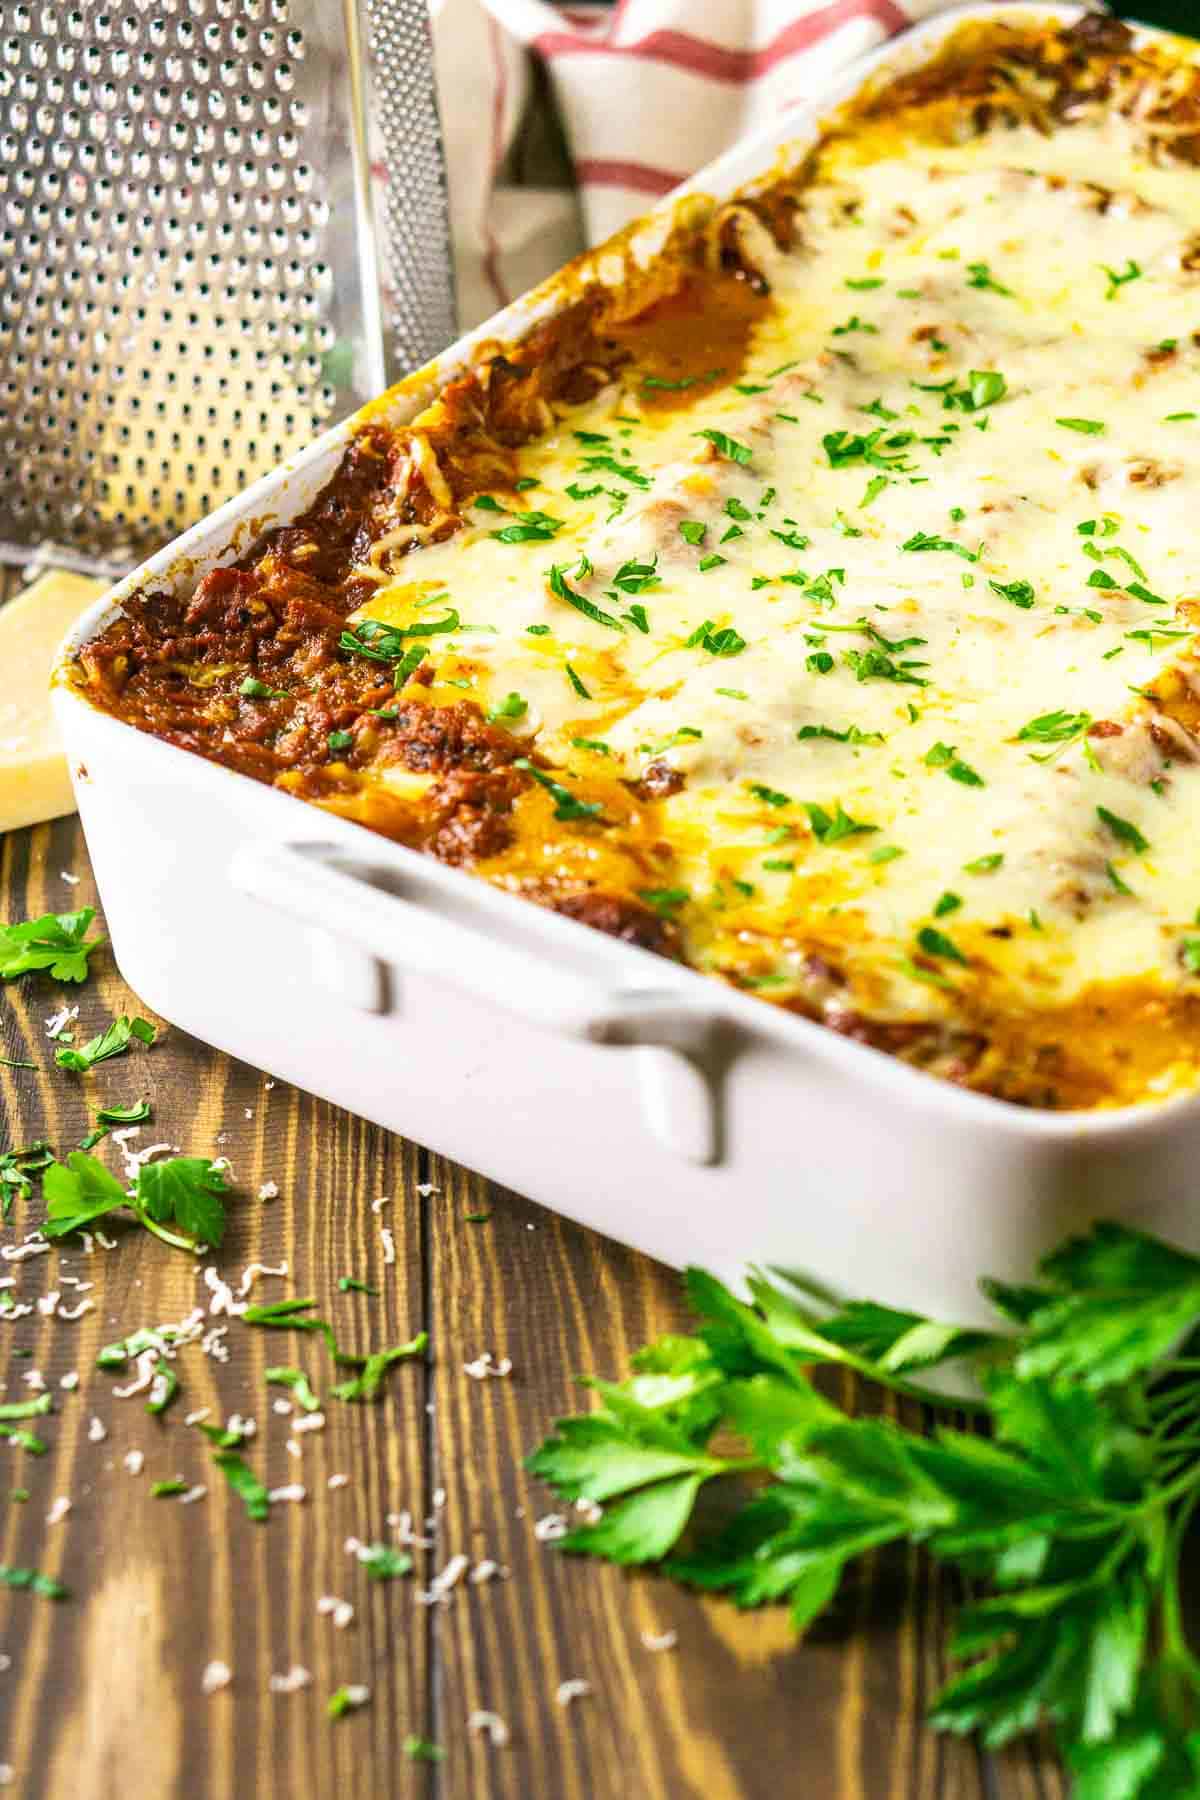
831, 829
944, 756
383, 1562
936, 943
419, 1749
297, 1380
1117, 280
366, 1384
1123, 830
36, 1583
244, 1483
1018, 593
511, 707
562, 590
726, 446
985, 865
345, 1700
979, 275
1089, 427
567, 806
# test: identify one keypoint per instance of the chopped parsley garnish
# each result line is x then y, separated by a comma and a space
820, 663
297, 1380
1123, 830
1018, 593
638, 617
419, 1749
947, 903
844, 448
684, 381
852, 324
1055, 728
254, 689
1089, 427
56, 942
865, 283
873, 490
726, 446
711, 561
383, 1562
26, 1409
610, 465
851, 735
665, 901
935, 943
511, 707
113, 1042
340, 740
106, 1118
922, 540
979, 275
877, 665
562, 590
732, 693
575, 682
1122, 887
886, 853
366, 1384
37, 1583
725, 642
795, 540
244, 1483
166, 1490
1117, 280
16, 1169
567, 806
345, 1700
692, 531
829, 829
533, 528
768, 795
635, 577
596, 745
577, 491
944, 756
984, 865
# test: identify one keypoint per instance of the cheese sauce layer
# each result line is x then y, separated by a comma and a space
819, 607
899, 613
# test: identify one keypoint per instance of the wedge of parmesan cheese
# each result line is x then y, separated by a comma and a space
34, 784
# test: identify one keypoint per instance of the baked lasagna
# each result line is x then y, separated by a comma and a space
815, 603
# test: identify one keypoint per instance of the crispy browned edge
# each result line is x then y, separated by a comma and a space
280, 609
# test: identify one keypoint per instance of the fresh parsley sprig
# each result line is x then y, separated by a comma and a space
188, 1192
57, 943
1068, 1520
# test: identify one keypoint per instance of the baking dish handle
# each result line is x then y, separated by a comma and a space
413, 929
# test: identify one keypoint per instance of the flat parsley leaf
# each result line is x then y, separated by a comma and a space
57, 943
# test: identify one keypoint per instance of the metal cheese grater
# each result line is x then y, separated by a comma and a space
201, 266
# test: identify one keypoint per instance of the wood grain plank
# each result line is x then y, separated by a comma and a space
738, 1711
160, 1588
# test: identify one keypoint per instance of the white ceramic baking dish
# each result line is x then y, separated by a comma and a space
645, 1100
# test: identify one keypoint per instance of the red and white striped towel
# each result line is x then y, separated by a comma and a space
648, 91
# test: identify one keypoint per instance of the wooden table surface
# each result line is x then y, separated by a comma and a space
101, 1695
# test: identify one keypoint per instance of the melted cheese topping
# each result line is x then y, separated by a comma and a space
914, 620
